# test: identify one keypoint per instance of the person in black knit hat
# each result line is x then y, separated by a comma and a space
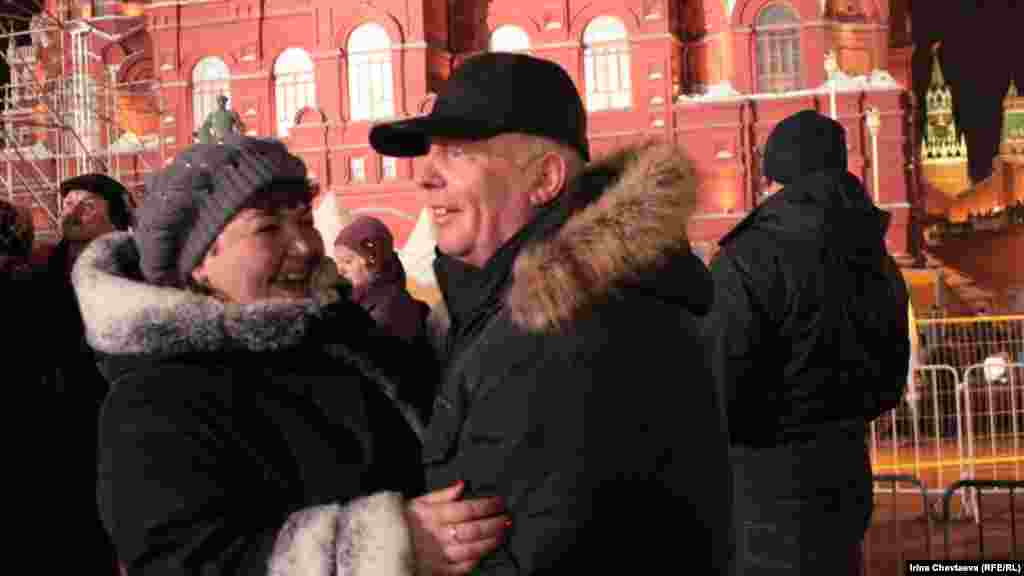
809, 341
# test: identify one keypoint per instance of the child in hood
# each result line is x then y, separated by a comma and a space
365, 255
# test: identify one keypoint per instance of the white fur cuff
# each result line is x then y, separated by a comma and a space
368, 536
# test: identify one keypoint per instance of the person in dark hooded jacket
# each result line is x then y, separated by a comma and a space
810, 342
575, 380
365, 255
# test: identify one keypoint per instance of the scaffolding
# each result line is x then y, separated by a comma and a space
65, 111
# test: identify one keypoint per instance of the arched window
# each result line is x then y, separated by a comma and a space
778, 49
210, 79
294, 87
370, 90
509, 38
606, 64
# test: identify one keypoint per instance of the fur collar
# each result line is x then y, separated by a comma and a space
125, 315
635, 208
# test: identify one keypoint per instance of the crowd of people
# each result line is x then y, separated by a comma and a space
240, 402
1011, 215
993, 220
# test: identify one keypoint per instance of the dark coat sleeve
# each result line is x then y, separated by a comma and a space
732, 333
584, 435
171, 492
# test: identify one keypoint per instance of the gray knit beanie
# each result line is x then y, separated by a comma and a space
188, 203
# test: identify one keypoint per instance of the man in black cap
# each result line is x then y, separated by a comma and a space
575, 385
810, 342
93, 204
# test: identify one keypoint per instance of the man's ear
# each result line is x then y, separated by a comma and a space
552, 178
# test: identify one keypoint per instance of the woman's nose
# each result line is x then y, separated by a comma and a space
298, 243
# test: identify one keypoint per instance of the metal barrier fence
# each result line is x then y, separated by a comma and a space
964, 342
924, 436
1007, 486
894, 480
993, 405
962, 417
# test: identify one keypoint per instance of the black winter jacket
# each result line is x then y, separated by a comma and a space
810, 342
576, 385
236, 439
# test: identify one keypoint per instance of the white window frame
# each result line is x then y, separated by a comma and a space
211, 78
388, 168
370, 77
357, 168
509, 38
606, 65
294, 87
777, 52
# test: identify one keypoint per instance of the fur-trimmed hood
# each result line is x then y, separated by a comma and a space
125, 315
627, 230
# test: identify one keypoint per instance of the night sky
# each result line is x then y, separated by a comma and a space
982, 50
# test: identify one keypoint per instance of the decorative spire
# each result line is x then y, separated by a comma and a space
1012, 141
938, 80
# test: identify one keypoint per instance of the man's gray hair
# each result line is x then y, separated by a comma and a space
536, 146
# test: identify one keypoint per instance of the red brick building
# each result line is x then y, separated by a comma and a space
713, 75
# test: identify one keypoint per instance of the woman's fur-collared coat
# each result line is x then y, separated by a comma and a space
253, 439
579, 389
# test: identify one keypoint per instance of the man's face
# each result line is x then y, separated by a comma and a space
478, 199
84, 216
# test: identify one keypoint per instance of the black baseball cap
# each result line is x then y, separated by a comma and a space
492, 94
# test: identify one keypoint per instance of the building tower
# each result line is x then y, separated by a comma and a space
944, 149
1012, 143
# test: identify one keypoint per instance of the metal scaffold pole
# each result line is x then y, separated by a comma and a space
66, 121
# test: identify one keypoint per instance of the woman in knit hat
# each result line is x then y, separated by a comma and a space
251, 427
365, 255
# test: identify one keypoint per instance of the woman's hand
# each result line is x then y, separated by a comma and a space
452, 535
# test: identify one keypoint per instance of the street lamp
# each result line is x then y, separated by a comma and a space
831, 66
874, 120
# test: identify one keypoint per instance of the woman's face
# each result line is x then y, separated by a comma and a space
262, 254
351, 265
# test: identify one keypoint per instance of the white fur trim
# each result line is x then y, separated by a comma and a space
125, 315
367, 537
